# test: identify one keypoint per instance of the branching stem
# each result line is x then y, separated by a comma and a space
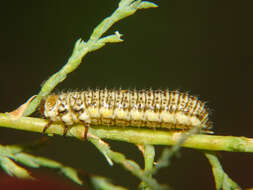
134, 135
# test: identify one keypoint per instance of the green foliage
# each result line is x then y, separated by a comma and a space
101, 183
222, 180
130, 165
125, 9
11, 168
9, 154
146, 137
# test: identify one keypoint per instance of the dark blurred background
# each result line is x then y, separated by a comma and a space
203, 47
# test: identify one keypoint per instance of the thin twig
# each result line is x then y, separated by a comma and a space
81, 48
134, 135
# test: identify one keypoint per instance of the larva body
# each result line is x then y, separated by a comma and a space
138, 108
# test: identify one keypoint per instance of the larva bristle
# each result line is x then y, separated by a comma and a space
137, 108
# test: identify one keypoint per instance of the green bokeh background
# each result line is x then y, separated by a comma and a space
203, 47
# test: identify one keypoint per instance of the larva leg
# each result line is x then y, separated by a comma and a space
47, 126
174, 126
65, 129
86, 125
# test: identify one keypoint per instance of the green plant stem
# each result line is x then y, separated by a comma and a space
149, 157
135, 135
130, 165
81, 48
222, 180
163, 161
167, 154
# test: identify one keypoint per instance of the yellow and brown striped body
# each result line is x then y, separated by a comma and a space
137, 108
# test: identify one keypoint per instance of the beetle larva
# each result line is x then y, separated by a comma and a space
173, 110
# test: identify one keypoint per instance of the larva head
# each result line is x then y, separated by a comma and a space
48, 105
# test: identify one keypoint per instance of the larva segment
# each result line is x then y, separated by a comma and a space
119, 114
106, 107
138, 108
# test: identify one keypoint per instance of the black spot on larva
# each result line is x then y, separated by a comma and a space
62, 111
